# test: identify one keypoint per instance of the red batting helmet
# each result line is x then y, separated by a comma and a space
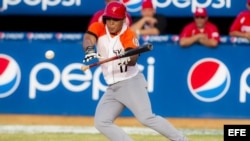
115, 10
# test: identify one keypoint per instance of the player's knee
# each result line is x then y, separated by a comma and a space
145, 120
100, 123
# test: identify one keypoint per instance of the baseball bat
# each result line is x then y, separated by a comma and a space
131, 52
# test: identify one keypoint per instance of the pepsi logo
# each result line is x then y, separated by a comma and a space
233, 39
10, 75
2, 35
58, 36
145, 38
30, 35
175, 38
132, 5
223, 39
208, 79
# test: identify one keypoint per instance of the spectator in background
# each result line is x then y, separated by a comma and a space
150, 23
241, 25
97, 17
200, 31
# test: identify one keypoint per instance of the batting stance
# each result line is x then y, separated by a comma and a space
127, 86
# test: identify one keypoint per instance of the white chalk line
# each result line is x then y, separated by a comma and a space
33, 129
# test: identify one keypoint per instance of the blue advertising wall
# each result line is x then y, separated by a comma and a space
169, 8
182, 82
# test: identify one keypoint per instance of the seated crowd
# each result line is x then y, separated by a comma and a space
201, 30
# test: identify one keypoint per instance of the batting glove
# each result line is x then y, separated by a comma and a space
90, 54
124, 61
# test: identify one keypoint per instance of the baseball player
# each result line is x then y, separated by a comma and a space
97, 17
201, 31
127, 87
241, 24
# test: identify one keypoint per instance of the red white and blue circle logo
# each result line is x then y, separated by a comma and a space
10, 75
208, 79
132, 5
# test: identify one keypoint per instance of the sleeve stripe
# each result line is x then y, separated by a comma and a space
89, 32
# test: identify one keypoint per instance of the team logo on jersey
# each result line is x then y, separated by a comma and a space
10, 75
132, 5
208, 79
136, 42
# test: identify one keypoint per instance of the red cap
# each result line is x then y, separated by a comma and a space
147, 4
115, 10
200, 12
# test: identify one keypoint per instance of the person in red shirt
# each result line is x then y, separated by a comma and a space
97, 17
241, 24
200, 31
150, 22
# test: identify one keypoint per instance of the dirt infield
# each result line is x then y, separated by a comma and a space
88, 121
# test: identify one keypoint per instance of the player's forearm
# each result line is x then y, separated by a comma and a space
187, 41
238, 34
209, 42
150, 31
88, 40
138, 25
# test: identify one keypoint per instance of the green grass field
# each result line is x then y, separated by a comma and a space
93, 137
67, 128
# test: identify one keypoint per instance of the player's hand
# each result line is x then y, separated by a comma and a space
90, 54
247, 35
150, 20
124, 61
201, 37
